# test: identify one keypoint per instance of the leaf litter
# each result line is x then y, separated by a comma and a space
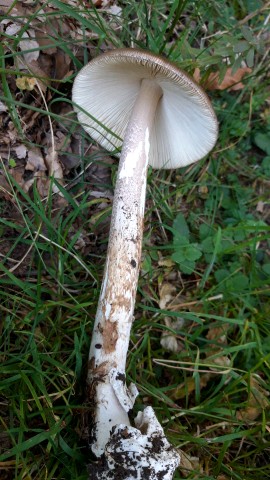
38, 151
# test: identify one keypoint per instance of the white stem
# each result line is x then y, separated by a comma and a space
109, 345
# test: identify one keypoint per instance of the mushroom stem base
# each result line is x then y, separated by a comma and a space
137, 453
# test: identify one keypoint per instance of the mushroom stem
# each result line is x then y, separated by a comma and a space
110, 339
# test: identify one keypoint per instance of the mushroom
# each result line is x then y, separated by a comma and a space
166, 121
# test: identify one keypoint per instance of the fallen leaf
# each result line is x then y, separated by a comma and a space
219, 334
5, 188
101, 3
44, 38
230, 81
166, 262
6, 3
43, 186
260, 206
168, 340
61, 64
166, 294
115, 10
54, 166
20, 151
187, 387
12, 29
215, 354
36, 71
28, 43
35, 161
3, 107
258, 400
17, 175
188, 464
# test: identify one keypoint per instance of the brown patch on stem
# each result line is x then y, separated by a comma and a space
110, 336
99, 370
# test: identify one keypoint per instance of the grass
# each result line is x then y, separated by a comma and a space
206, 243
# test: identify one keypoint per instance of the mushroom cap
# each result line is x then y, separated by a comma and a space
185, 127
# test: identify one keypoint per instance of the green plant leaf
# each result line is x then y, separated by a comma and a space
192, 253
247, 33
241, 46
266, 165
237, 283
207, 245
266, 268
262, 140
206, 231
180, 225
250, 58
178, 256
221, 275
185, 266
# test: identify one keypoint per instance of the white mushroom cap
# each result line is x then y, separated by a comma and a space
185, 126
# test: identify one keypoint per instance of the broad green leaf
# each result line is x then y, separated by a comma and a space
192, 253
247, 33
207, 245
187, 266
238, 282
262, 140
241, 46
221, 275
266, 165
266, 268
250, 58
180, 225
179, 241
206, 231
178, 256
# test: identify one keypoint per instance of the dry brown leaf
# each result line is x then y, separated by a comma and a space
166, 294
5, 188
260, 206
43, 186
188, 386
27, 43
115, 10
258, 400
218, 359
35, 161
62, 64
12, 28
11, 134
29, 119
6, 3
40, 76
3, 107
166, 262
230, 81
188, 464
54, 166
214, 353
219, 334
168, 341
17, 174
20, 151
101, 3
44, 40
